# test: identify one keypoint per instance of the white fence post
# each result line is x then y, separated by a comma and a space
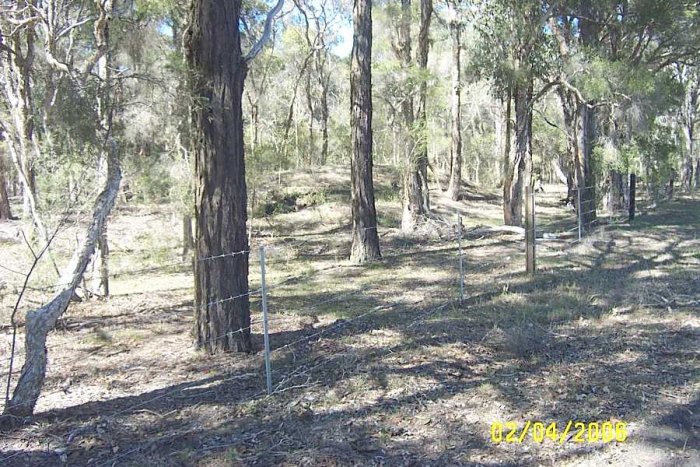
461, 261
266, 334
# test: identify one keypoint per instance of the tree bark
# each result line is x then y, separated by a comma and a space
426, 14
365, 238
310, 107
508, 136
21, 139
456, 148
218, 68
103, 247
520, 170
39, 322
324, 124
688, 162
412, 197
585, 178
689, 110
616, 183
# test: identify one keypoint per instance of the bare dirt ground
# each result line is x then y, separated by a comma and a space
380, 364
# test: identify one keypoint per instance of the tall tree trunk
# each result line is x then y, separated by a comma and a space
21, 139
324, 124
218, 70
688, 169
412, 197
105, 107
585, 178
310, 106
508, 136
689, 109
365, 238
426, 14
456, 148
519, 171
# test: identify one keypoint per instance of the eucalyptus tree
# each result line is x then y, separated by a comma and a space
319, 20
616, 56
365, 236
410, 76
455, 18
689, 115
56, 30
514, 53
19, 50
218, 70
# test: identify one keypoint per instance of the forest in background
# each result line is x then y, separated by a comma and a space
493, 93
634, 65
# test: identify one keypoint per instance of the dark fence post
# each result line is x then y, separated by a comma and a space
633, 193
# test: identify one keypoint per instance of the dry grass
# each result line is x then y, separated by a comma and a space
390, 369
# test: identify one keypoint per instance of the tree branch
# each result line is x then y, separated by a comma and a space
260, 44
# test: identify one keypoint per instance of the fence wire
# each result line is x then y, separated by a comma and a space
304, 367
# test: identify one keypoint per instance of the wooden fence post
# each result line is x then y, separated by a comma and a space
633, 192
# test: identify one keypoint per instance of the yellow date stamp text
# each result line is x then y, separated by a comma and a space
578, 432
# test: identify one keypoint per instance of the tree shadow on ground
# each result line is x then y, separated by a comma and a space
417, 383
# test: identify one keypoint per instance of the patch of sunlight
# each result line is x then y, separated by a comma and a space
378, 339
662, 258
626, 357
649, 273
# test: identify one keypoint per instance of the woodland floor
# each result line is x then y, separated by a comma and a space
389, 368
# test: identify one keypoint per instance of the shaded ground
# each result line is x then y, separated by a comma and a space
381, 365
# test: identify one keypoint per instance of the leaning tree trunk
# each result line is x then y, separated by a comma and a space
218, 70
456, 149
365, 238
39, 322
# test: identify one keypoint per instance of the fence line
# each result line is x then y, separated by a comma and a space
263, 290
281, 387
299, 370
224, 255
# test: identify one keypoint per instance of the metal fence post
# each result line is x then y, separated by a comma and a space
580, 212
461, 261
266, 334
